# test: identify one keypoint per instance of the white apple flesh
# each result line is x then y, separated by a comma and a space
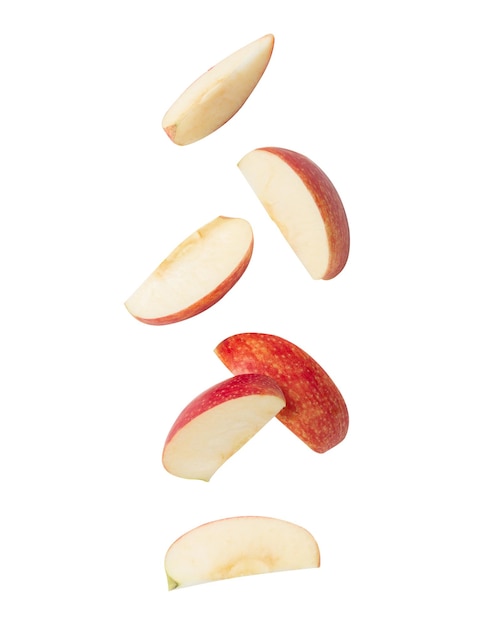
239, 546
198, 273
218, 423
304, 204
216, 96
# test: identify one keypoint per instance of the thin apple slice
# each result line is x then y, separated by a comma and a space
304, 204
218, 423
198, 273
315, 409
216, 96
239, 546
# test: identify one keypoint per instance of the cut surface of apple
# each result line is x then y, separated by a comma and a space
216, 96
198, 273
304, 204
315, 410
239, 546
218, 423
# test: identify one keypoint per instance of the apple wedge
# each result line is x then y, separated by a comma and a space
304, 204
315, 409
198, 273
239, 546
217, 95
218, 423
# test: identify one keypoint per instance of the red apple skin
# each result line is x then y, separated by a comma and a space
328, 202
247, 384
208, 300
315, 410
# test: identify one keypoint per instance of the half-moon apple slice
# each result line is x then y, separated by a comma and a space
315, 410
304, 204
239, 546
198, 273
218, 422
217, 95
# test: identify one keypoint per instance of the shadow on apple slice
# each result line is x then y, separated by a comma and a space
198, 273
239, 546
216, 96
315, 410
304, 204
218, 423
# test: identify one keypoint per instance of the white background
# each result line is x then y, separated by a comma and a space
93, 196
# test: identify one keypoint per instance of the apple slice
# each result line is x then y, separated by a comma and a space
239, 546
217, 95
218, 423
315, 409
304, 204
198, 273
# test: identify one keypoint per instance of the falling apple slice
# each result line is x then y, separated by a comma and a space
239, 546
198, 273
315, 410
304, 204
218, 423
217, 95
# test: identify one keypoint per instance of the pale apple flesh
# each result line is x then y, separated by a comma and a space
216, 96
198, 273
315, 409
239, 546
218, 422
304, 204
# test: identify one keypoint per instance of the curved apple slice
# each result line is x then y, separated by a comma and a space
304, 204
239, 546
217, 423
217, 95
315, 410
198, 273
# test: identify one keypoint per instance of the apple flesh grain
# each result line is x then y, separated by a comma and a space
218, 423
239, 546
304, 204
315, 409
216, 96
198, 273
